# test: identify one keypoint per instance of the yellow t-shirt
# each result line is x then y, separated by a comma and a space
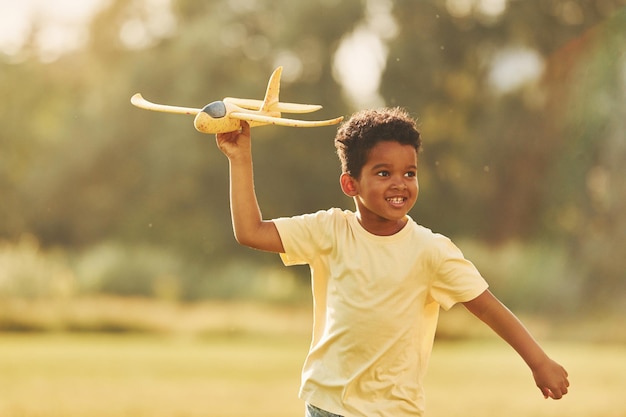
376, 304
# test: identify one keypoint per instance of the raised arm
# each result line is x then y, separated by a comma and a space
248, 225
550, 377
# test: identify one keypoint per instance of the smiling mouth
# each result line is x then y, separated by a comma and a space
396, 201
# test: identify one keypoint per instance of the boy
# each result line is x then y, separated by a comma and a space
378, 277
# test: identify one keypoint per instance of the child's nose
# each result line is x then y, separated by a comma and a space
399, 184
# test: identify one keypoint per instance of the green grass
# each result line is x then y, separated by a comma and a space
242, 375
102, 376
488, 379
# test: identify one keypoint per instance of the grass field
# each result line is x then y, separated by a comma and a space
232, 375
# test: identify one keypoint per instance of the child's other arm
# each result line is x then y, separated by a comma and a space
248, 225
550, 377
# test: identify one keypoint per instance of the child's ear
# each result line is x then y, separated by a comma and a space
348, 185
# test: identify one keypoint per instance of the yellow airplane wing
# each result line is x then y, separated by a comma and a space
138, 101
252, 104
260, 119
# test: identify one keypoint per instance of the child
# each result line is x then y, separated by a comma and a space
378, 277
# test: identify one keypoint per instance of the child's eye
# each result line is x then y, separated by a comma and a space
383, 173
410, 174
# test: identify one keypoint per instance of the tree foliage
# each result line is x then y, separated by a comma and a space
540, 159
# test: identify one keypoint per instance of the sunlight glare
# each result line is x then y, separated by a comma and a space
359, 62
361, 57
60, 25
515, 67
465, 8
492, 8
157, 22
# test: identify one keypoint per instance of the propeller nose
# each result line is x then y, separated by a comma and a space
216, 110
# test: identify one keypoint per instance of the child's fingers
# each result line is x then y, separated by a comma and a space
245, 128
555, 394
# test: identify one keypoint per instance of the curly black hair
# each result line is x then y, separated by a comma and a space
363, 130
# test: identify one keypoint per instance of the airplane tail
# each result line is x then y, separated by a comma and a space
271, 103
273, 90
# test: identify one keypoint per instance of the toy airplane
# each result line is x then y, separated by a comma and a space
226, 115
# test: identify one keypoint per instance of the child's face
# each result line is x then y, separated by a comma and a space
387, 188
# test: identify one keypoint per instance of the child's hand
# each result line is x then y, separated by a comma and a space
551, 378
236, 143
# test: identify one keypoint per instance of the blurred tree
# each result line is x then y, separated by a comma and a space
585, 191
506, 156
537, 159
470, 71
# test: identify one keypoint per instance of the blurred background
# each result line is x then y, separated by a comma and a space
115, 220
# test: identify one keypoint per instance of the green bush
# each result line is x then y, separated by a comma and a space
27, 271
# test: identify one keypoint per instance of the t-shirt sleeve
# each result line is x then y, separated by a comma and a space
304, 236
456, 279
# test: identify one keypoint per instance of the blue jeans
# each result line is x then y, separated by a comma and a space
313, 411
